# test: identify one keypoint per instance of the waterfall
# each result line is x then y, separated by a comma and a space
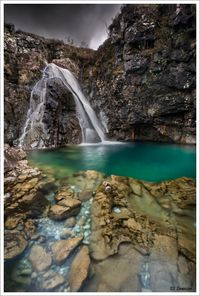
91, 128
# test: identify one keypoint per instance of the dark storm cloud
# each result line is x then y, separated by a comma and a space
82, 22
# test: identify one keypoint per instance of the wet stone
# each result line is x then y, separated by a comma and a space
66, 233
70, 222
14, 245
40, 258
63, 248
85, 195
64, 193
12, 222
51, 280
72, 203
59, 212
21, 273
79, 269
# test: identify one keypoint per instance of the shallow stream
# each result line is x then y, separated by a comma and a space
145, 161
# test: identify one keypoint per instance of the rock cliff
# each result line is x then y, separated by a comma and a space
140, 82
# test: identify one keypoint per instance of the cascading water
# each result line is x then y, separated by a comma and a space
91, 128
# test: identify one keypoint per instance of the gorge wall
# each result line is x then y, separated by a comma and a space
140, 82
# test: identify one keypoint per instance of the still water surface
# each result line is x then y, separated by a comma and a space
146, 161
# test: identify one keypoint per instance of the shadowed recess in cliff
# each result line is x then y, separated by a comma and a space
35, 133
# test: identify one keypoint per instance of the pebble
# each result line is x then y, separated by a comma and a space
86, 242
116, 210
34, 275
76, 228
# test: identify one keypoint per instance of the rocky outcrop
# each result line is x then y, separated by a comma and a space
23, 201
22, 186
144, 73
144, 221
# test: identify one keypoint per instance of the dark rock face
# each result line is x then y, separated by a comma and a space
145, 73
141, 81
25, 57
60, 125
60, 115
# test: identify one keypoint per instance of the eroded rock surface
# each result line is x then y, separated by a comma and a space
67, 205
14, 244
79, 269
62, 248
22, 185
146, 219
51, 280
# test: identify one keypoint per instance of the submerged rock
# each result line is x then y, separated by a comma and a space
51, 280
79, 269
63, 248
70, 222
40, 258
66, 233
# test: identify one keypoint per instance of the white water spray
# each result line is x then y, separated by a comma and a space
92, 130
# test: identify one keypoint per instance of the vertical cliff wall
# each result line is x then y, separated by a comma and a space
144, 75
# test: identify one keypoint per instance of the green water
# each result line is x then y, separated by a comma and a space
146, 161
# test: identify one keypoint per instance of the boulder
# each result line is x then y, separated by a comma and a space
63, 248
85, 195
64, 193
79, 269
66, 233
14, 245
12, 222
40, 258
71, 203
71, 222
61, 212
51, 280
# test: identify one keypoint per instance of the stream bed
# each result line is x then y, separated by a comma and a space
66, 167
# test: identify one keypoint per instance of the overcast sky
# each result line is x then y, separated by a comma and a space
82, 22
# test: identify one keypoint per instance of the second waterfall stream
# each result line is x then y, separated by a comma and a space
91, 128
